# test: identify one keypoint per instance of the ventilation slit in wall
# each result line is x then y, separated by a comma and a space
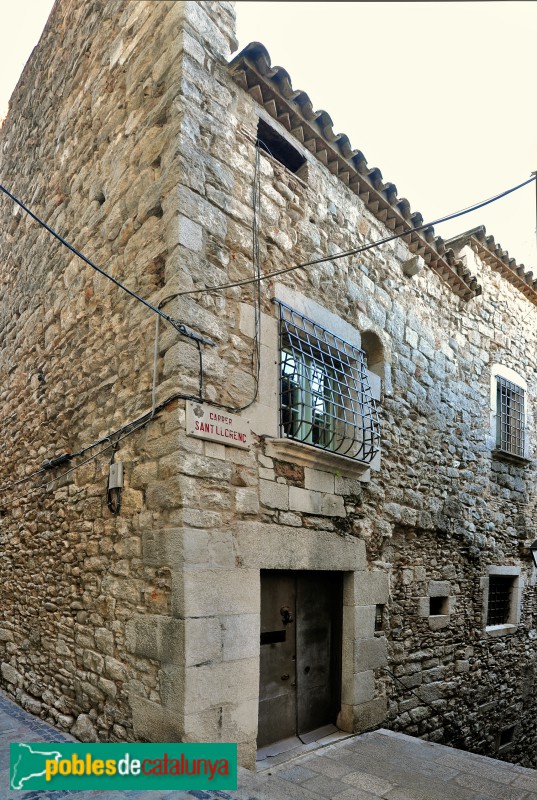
506, 736
379, 617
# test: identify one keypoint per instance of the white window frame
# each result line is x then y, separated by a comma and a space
352, 414
501, 371
515, 604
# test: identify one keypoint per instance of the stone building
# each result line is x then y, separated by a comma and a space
327, 497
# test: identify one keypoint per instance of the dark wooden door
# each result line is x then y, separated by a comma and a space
318, 649
300, 653
277, 695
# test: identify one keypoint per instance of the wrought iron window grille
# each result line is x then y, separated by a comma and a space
325, 395
499, 602
510, 428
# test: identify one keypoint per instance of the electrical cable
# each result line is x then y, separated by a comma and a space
142, 423
200, 356
256, 262
12, 485
361, 249
183, 329
256, 206
155, 354
155, 367
50, 463
256, 280
136, 424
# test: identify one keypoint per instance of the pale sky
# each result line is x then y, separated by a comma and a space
438, 95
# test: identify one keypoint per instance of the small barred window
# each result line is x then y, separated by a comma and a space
325, 396
499, 603
510, 427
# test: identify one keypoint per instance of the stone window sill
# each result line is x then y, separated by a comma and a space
308, 456
500, 630
501, 455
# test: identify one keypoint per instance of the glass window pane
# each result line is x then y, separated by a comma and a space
325, 395
509, 417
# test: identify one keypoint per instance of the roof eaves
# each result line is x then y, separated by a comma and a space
499, 260
271, 87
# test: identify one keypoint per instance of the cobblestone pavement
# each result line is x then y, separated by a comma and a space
374, 765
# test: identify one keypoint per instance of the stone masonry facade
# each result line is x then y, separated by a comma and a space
133, 136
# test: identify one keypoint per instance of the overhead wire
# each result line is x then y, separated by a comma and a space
256, 263
114, 492
14, 484
256, 206
180, 327
184, 330
361, 248
112, 438
256, 285
155, 355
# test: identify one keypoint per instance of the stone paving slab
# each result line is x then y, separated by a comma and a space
380, 764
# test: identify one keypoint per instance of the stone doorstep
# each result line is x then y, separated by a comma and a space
460, 760
293, 748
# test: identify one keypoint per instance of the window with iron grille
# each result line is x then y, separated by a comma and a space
510, 429
325, 396
499, 599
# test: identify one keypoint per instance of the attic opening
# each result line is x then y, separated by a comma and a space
277, 146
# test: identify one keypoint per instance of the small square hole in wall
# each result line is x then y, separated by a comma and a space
438, 606
506, 737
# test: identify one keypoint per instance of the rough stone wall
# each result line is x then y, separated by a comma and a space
456, 511
139, 147
90, 144
450, 681
437, 475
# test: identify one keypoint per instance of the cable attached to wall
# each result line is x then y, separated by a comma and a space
179, 326
116, 436
256, 284
256, 261
357, 250
184, 330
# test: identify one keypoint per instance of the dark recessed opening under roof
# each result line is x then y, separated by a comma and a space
278, 147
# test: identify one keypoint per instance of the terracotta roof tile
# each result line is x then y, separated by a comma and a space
271, 87
498, 259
